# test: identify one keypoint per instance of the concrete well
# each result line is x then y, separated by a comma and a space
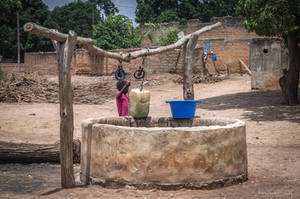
163, 152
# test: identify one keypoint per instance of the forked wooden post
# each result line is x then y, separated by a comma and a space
64, 52
188, 87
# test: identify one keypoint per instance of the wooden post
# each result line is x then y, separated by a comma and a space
188, 87
64, 56
106, 65
18, 39
101, 63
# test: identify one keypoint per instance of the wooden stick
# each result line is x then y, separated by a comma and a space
87, 43
246, 67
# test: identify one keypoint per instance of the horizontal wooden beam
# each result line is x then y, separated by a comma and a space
87, 43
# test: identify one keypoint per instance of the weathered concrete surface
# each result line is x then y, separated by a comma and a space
163, 152
268, 57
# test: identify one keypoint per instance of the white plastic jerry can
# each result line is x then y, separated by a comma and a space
139, 102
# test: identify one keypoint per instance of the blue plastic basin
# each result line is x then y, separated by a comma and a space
183, 108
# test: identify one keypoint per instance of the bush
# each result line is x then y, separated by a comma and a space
168, 36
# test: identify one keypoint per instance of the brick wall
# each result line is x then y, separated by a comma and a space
11, 67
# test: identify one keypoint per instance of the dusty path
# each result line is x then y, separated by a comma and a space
273, 138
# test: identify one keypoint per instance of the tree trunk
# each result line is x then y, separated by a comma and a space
65, 53
188, 87
34, 153
291, 91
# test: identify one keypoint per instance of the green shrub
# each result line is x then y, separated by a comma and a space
168, 36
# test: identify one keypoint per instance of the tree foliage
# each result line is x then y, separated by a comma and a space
157, 11
29, 10
116, 32
270, 18
168, 36
80, 16
77, 16
8, 9
277, 18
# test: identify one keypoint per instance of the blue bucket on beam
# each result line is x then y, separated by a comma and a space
183, 108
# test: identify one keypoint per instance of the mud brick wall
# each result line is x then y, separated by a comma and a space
228, 54
84, 63
170, 61
42, 63
230, 41
11, 67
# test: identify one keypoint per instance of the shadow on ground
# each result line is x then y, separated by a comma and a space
258, 106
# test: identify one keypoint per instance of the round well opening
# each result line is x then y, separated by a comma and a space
164, 152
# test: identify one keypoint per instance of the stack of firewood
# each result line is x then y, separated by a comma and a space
203, 79
18, 88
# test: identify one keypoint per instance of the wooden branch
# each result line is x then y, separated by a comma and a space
65, 53
246, 67
34, 153
87, 43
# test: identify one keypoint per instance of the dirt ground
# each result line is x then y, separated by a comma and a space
273, 140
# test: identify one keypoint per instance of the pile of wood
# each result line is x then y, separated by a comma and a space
203, 79
27, 88
30, 88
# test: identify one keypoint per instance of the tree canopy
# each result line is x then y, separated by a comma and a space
116, 32
77, 16
157, 11
278, 18
270, 18
29, 11
81, 16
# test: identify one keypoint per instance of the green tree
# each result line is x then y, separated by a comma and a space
8, 9
116, 32
157, 11
29, 10
277, 18
81, 16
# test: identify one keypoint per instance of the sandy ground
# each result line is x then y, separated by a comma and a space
273, 139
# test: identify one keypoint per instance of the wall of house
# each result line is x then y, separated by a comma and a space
268, 57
